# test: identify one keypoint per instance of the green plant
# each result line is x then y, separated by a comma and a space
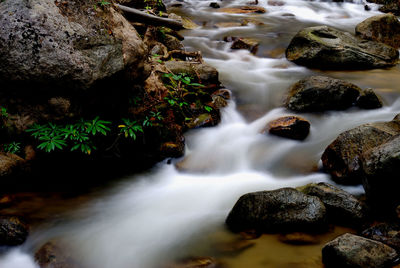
207, 108
152, 117
130, 128
3, 112
76, 136
103, 3
12, 147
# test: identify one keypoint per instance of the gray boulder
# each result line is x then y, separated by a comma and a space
382, 28
327, 48
342, 157
352, 251
320, 93
65, 45
284, 209
342, 207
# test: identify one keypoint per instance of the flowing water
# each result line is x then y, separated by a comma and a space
152, 218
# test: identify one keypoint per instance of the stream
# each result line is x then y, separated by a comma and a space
153, 218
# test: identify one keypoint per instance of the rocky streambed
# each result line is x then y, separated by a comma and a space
75, 72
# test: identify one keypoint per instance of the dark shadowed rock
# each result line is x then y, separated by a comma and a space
320, 93
381, 167
60, 45
13, 232
214, 5
284, 209
352, 251
369, 100
172, 43
342, 207
292, 127
387, 233
327, 48
382, 28
342, 157
10, 164
391, 7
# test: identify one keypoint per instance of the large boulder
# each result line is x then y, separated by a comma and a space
381, 167
13, 231
352, 251
342, 207
284, 209
327, 48
291, 127
382, 28
342, 157
58, 45
320, 93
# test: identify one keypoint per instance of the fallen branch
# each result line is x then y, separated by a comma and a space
137, 15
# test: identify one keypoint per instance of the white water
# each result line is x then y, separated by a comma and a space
158, 215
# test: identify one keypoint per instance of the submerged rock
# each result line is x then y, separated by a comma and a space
291, 127
327, 48
382, 28
369, 100
196, 262
63, 46
13, 231
320, 93
243, 10
51, 255
298, 238
245, 43
342, 157
284, 209
342, 207
352, 251
386, 233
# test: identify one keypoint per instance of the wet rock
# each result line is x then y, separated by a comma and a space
369, 100
352, 251
393, 7
223, 92
219, 102
203, 120
205, 72
51, 255
320, 93
381, 166
298, 238
65, 46
342, 207
327, 48
246, 43
196, 262
342, 157
10, 164
284, 209
243, 10
276, 3
13, 231
387, 233
214, 5
172, 43
172, 149
59, 105
291, 127
382, 28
